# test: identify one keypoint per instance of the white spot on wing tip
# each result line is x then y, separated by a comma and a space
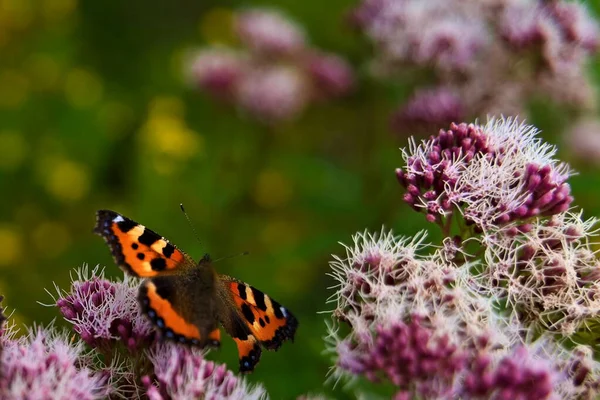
118, 218
283, 311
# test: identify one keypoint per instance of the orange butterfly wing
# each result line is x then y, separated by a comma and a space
137, 249
169, 302
269, 322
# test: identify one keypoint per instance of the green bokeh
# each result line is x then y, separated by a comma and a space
94, 113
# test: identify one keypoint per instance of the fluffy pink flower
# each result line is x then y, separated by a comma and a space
182, 373
268, 32
493, 174
47, 366
102, 311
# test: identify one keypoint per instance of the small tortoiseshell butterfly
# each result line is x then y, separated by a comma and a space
186, 300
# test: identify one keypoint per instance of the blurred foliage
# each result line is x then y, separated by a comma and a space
95, 113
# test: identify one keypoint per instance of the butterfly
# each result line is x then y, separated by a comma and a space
187, 300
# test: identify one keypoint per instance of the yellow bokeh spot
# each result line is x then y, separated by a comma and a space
272, 189
13, 149
167, 137
83, 88
16, 14
216, 26
14, 89
44, 71
55, 10
11, 251
67, 180
50, 238
170, 136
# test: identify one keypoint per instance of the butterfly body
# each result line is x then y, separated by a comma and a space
187, 300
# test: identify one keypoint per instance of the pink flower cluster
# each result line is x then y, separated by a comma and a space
424, 324
183, 373
407, 354
484, 57
46, 366
492, 174
276, 75
103, 312
419, 360
549, 273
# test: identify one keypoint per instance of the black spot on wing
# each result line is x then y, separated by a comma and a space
259, 299
164, 287
158, 264
140, 256
134, 246
247, 313
242, 290
148, 237
126, 225
277, 309
168, 250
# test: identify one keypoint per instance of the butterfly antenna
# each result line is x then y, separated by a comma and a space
245, 253
189, 222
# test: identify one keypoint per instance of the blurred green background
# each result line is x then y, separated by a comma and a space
95, 113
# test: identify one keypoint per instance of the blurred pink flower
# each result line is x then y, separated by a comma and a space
495, 56
217, 71
448, 35
276, 75
332, 75
429, 109
583, 141
268, 32
273, 93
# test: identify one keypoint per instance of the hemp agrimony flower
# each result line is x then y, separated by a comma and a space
104, 311
47, 365
492, 174
183, 373
276, 74
493, 311
494, 56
